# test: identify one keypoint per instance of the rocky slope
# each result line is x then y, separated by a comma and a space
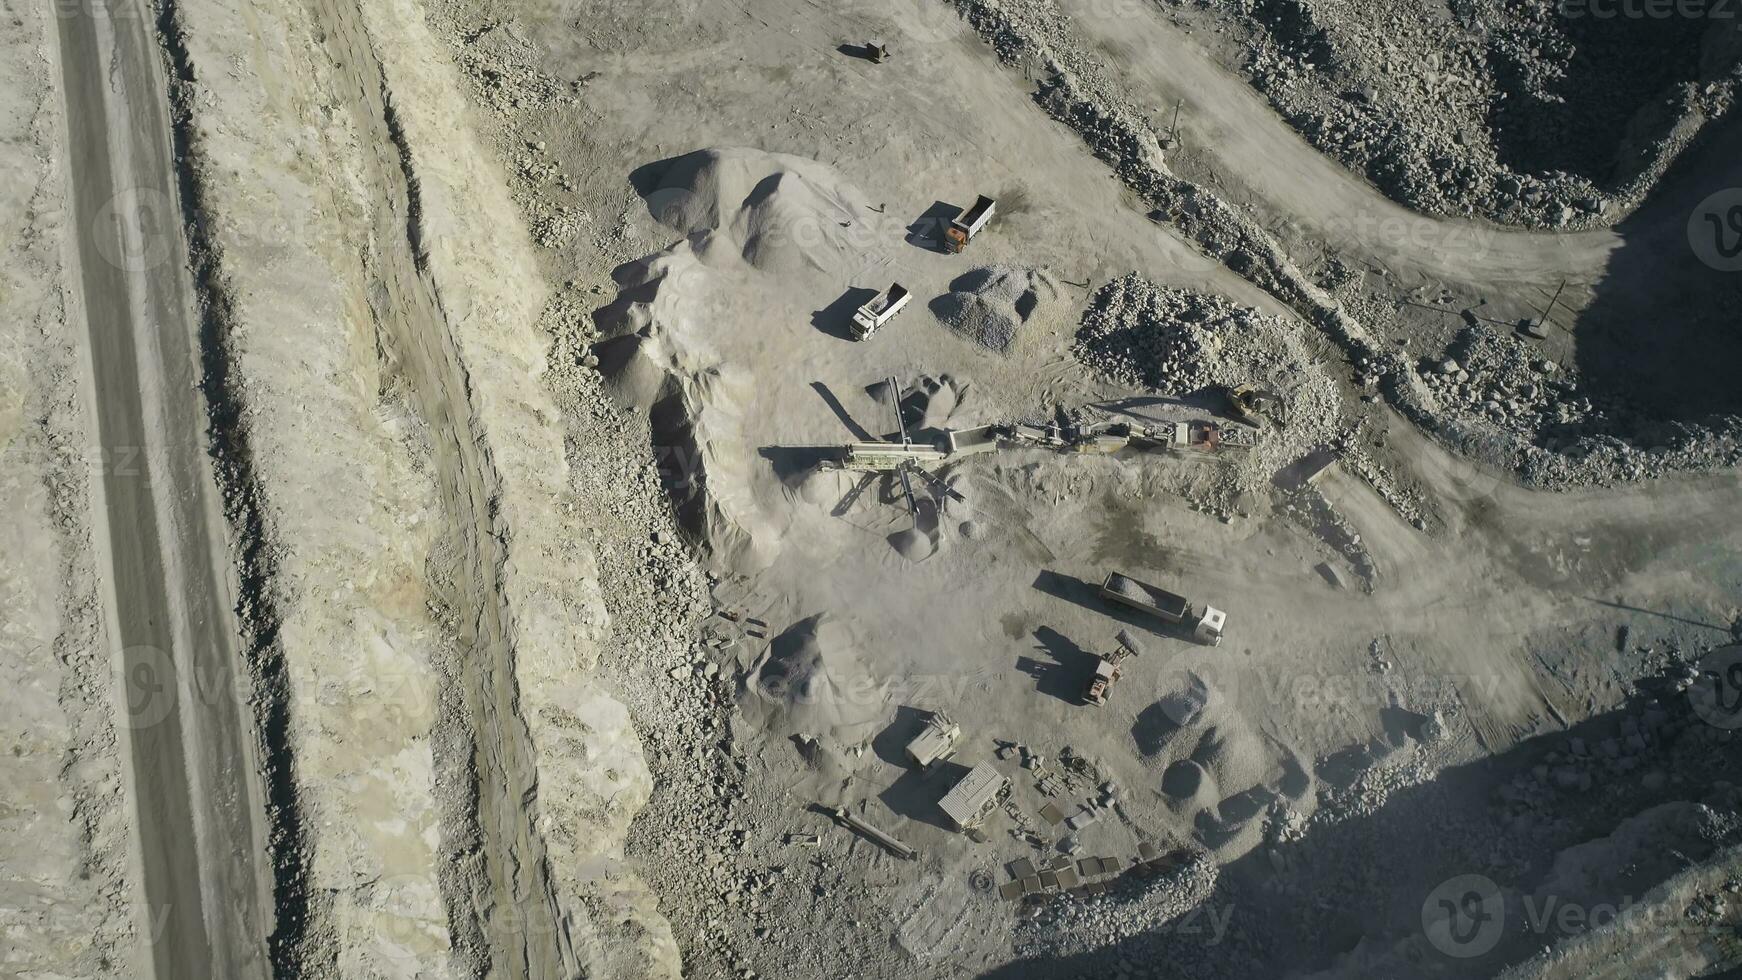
1534, 113
457, 787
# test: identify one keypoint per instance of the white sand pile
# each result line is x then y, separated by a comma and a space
813, 682
736, 207
777, 212
924, 538
661, 358
929, 403
990, 305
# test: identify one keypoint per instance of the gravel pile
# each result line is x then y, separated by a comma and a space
1495, 396
1135, 915
1495, 377
990, 305
1166, 339
1517, 111
1180, 343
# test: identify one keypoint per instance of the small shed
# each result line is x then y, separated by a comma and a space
968, 802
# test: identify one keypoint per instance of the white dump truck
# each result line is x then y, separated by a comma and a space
880, 310
968, 224
1206, 622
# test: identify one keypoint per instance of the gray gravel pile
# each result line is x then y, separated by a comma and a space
991, 304
1498, 378
1498, 397
1180, 343
1172, 341
1523, 112
1137, 915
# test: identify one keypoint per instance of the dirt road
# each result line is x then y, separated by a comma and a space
1248, 143
168, 601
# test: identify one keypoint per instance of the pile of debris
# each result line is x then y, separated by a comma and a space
991, 304
1173, 341
1158, 338
1495, 377
1131, 916
1560, 433
1180, 343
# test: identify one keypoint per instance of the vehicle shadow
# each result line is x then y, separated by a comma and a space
1068, 675
863, 52
836, 319
828, 396
927, 231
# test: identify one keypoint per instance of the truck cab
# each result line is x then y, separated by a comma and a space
880, 310
1210, 624
968, 224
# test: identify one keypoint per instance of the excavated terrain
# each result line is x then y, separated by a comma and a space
1535, 113
452, 530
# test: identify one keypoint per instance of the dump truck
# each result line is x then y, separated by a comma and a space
880, 310
968, 224
1205, 621
1107, 669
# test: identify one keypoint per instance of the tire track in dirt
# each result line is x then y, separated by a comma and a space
511, 909
171, 604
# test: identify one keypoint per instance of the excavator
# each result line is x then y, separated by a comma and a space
1254, 405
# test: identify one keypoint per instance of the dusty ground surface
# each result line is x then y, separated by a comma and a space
521, 336
68, 904
1355, 626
